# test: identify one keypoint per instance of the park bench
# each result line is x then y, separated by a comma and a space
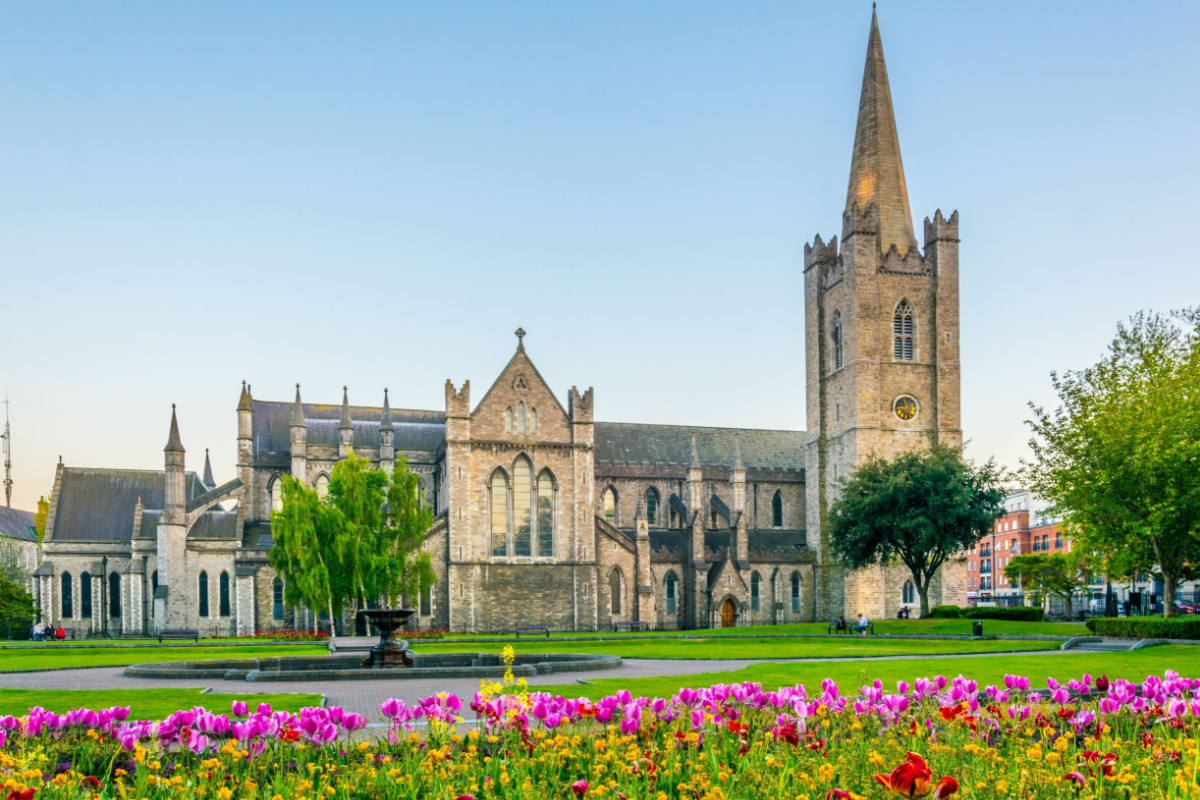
849, 627
530, 630
181, 633
631, 626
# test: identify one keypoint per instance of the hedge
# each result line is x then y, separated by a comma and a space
1145, 627
1017, 614
945, 612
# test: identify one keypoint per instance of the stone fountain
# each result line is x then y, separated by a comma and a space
388, 654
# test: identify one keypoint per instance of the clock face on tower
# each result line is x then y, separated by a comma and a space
905, 408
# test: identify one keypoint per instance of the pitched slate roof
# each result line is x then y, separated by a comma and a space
17, 524
635, 443
96, 505
414, 430
215, 525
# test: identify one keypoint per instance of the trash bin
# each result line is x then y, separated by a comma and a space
977, 627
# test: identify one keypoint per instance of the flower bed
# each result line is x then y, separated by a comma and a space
934, 738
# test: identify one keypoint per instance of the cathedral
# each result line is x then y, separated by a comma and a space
544, 515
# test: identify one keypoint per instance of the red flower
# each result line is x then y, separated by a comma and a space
788, 733
291, 735
1075, 776
912, 779
1102, 683
465, 797
90, 781
25, 795
579, 788
837, 794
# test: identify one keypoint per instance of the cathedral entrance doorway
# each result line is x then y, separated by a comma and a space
728, 614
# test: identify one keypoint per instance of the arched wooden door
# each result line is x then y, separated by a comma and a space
728, 614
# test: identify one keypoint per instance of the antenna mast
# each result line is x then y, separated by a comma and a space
7, 457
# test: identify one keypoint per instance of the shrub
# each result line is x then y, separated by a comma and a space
1146, 627
292, 636
1017, 614
945, 612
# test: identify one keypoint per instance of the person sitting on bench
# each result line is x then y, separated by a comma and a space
903, 614
862, 625
841, 625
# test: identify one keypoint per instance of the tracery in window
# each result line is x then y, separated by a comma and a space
522, 507
609, 501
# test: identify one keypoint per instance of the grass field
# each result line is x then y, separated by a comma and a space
717, 647
144, 703
49, 658
1133, 665
893, 626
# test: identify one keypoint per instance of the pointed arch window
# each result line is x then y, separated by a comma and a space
652, 506
836, 336
795, 592
499, 513
114, 595
203, 592
672, 600
277, 599
533, 420
322, 485
153, 582
904, 332
508, 420
755, 592
522, 505
521, 418
68, 604
614, 589
908, 593
276, 493
777, 509
609, 500
545, 515
224, 594
85, 595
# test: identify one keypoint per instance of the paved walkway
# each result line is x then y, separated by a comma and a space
364, 696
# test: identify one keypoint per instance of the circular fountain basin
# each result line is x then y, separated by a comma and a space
350, 667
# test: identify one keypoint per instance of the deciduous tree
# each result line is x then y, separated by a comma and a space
1060, 574
1120, 457
921, 509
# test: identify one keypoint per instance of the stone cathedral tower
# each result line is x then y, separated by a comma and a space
881, 331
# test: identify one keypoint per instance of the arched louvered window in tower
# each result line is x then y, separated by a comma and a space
755, 592
545, 515
522, 506
777, 509
904, 332
836, 336
223, 587
499, 513
68, 598
202, 585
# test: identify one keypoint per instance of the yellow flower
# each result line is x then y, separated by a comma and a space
224, 793
825, 773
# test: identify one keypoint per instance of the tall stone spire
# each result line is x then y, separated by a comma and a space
385, 422
173, 443
208, 478
694, 463
876, 171
244, 403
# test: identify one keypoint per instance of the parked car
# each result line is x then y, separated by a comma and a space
1186, 608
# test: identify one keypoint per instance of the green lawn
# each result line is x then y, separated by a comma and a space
1133, 665
722, 647
144, 703
893, 626
47, 658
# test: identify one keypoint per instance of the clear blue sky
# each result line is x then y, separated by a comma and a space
379, 193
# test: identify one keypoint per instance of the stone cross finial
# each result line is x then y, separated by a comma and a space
520, 338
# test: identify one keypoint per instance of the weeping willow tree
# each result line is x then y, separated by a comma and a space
360, 543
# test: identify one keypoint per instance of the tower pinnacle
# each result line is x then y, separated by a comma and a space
208, 476
876, 170
173, 443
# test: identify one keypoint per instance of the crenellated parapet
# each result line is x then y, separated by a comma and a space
911, 263
579, 406
940, 229
818, 253
858, 221
458, 401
